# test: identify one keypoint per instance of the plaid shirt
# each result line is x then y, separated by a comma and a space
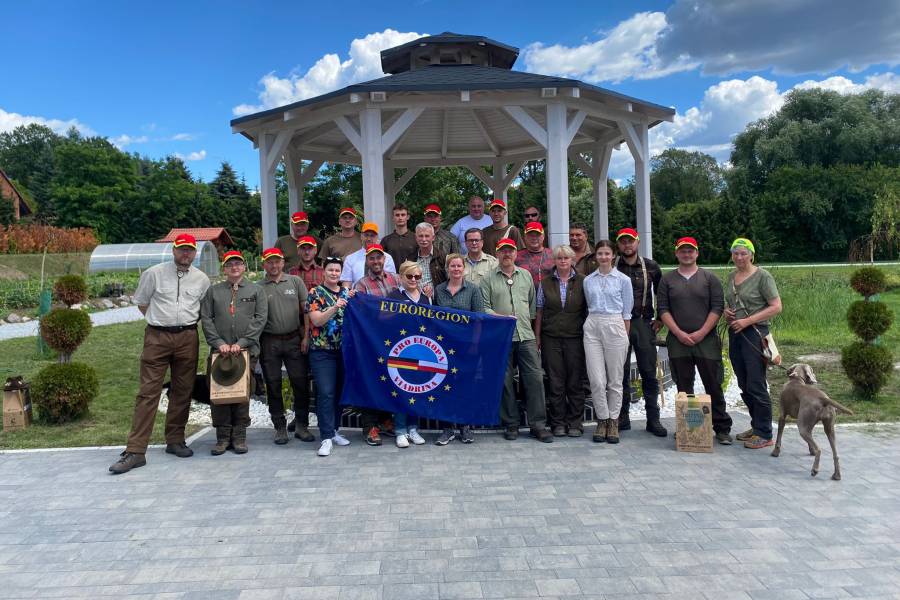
538, 264
380, 286
312, 277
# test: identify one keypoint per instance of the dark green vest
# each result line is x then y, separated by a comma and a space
559, 321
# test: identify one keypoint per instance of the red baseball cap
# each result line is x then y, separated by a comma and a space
434, 208
307, 240
272, 253
347, 210
627, 232
232, 254
534, 226
687, 241
185, 239
506, 242
374, 248
299, 217
497, 202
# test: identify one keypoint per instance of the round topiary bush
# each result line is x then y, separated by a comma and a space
868, 320
62, 392
868, 281
867, 366
64, 329
70, 289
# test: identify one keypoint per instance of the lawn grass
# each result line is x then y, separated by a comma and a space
75, 263
113, 350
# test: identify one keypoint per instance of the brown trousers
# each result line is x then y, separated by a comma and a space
164, 351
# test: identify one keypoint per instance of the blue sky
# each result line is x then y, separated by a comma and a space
167, 77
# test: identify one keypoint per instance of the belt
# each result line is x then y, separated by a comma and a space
282, 336
176, 329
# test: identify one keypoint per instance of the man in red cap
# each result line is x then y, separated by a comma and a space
234, 313
346, 241
168, 295
509, 290
645, 275
308, 269
535, 258
533, 215
690, 303
444, 241
498, 229
402, 241
288, 243
355, 262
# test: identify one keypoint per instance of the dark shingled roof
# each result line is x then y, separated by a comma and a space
396, 59
441, 78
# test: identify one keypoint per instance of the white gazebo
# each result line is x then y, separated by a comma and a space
454, 100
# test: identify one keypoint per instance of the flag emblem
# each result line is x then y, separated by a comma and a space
417, 364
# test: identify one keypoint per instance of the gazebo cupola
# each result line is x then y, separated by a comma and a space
454, 100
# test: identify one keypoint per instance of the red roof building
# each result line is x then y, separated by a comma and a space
217, 235
8, 192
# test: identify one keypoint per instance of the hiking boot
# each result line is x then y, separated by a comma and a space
575, 432
656, 428
744, 435
600, 433
180, 450
127, 461
372, 438
756, 442
724, 438
301, 432
541, 434
623, 423
281, 436
387, 427
292, 426
239, 440
559, 431
612, 433
447, 436
465, 435
511, 432
223, 437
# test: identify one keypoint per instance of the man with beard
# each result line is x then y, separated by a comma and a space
288, 244
344, 242
445, 242
535, 257
355, 263
500, 229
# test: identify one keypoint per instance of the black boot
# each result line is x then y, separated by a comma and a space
223, 438
239, 440
624, 418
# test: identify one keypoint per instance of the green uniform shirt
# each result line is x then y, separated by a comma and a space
752, 295
243, 325
288, 246
501, 298
286, 298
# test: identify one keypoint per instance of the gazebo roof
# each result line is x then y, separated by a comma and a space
398, 59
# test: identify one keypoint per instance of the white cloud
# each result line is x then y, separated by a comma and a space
627, 51
124, 140
11, 120
886, 82
183, 137
200, 155
328, 73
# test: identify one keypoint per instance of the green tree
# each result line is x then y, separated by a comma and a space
27, 155
678, 176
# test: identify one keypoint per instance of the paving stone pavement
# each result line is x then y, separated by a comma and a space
494, 519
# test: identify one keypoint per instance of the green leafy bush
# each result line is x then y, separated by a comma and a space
70, 289
64, 329
868, 281
868, 367
63, 392
869, 320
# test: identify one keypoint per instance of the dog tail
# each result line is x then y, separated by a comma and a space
839, 406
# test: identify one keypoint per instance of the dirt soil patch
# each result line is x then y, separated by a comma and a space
823, 357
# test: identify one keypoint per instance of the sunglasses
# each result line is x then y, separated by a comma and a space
531, 215
416, 277
333, 259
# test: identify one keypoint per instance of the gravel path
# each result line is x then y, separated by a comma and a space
105, 317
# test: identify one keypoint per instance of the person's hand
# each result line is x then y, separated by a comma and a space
341, 303
684, 338
696, 337
656, 325
304, 345
427, 290
729, 315
738, 325
537, 342
351, 292
235, 349
224, 349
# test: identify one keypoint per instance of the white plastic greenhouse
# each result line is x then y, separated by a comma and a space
137, 257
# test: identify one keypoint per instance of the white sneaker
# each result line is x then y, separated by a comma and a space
402, 441
340, 440
325, 448
415, 438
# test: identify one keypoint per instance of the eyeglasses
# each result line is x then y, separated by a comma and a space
531, 215
416, 277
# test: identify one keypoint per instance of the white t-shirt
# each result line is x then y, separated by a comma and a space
355, 266
467, 222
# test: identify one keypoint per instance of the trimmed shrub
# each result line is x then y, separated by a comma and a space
64, 329
868, 281
63, 392
70, 289
868, 367
869, 320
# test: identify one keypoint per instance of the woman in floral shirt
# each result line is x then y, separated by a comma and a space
325, 305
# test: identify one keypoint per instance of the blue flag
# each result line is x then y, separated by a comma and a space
428, 361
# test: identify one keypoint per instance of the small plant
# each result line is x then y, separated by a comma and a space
64, 329
70, 289
867, 364
62, 392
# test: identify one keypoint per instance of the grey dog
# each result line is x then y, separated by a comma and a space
803, 401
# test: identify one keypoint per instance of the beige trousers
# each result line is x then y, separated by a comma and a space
605, 347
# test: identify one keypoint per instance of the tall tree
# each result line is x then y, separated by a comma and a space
678, 176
